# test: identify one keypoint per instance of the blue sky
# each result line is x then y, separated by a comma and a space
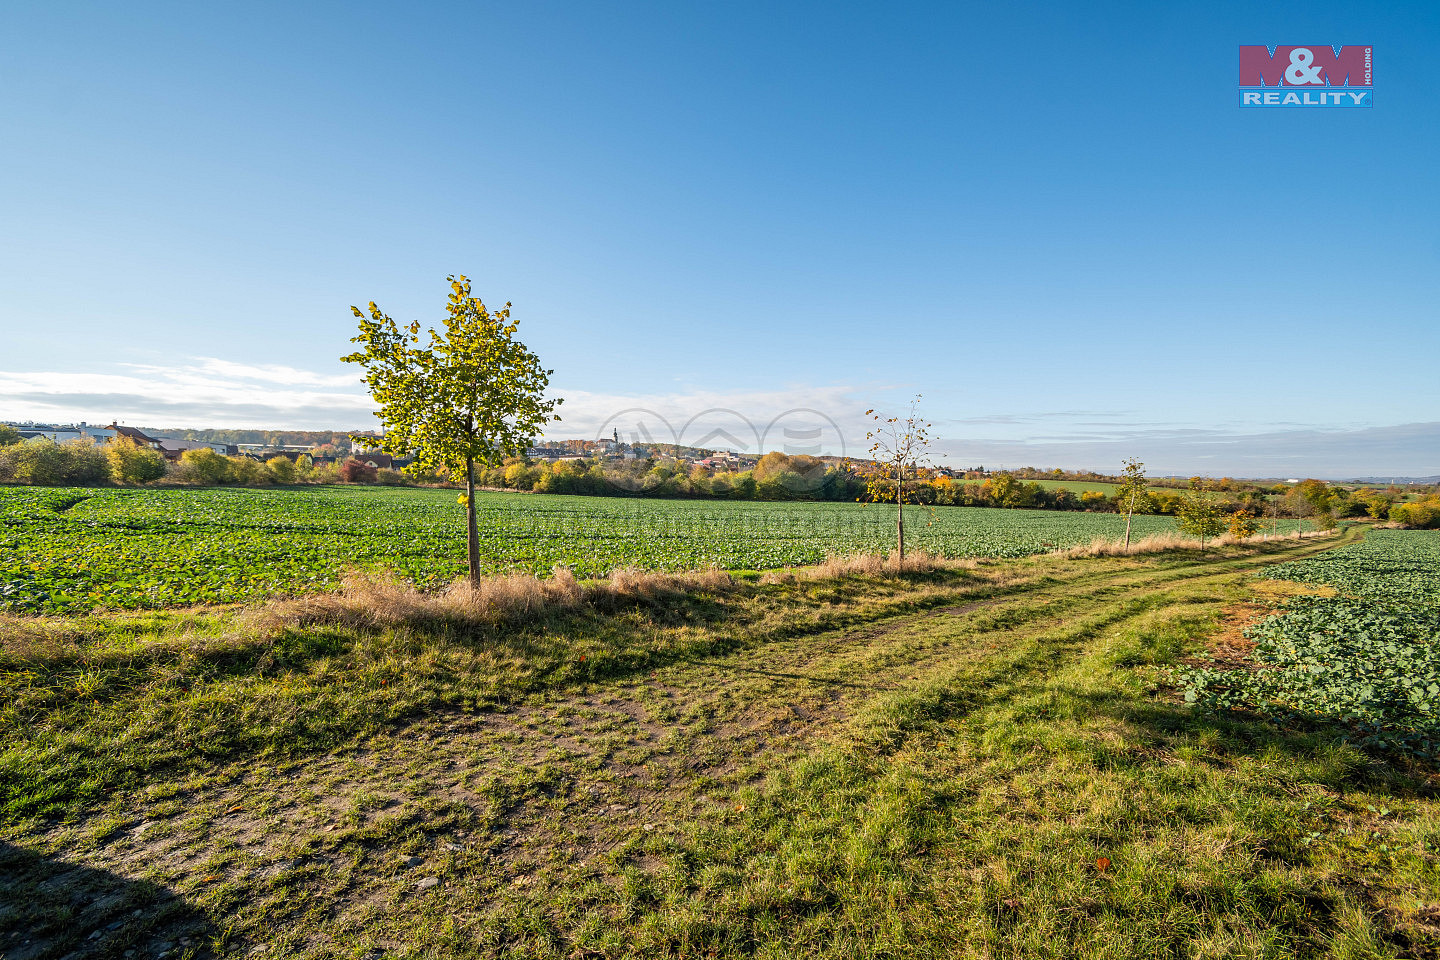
1051, 220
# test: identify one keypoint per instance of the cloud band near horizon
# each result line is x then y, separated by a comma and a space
208, 392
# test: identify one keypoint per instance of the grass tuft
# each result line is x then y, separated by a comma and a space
839, 567
1159, 543
371, 601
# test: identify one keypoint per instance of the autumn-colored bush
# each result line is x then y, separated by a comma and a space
357, 471
43, 462
1420, 515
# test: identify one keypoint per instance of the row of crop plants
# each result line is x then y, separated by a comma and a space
1366, 659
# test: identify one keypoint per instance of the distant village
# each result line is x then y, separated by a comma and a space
327, 447
331, 448
334, 448
560, 451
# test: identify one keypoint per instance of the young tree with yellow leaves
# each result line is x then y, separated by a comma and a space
1199, 515
1132, 488
1243, 524
473, 394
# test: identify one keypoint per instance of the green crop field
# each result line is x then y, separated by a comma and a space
64, 550
1078, 487
1367, 659
1399, 566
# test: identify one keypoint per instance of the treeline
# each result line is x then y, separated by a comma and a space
780, 477
41, 462
1222, 485
1324, 501
1090, 476
776, 477
206, 467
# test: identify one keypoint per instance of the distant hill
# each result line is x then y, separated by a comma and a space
272, 438
1404, 481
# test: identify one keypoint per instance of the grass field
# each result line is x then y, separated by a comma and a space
69, 550
1078, 487
966, 762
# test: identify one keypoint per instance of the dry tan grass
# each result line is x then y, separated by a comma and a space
1155, 543
21, 628
369, 600
868, 565
1160, 542
920, 561
27, 637
1274, 591
631, 582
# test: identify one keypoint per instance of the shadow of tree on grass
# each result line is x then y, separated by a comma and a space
1328, 750
51, 909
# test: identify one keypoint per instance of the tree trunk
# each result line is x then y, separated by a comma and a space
472, 534
1128, 517
900, 512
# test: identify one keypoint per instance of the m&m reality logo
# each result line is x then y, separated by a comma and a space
1317, 75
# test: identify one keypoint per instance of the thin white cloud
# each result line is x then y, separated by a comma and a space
196, 394
206, 368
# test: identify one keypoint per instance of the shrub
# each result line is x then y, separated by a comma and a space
357, 471
282, 469
247, 471
388, 477
204, 466
1421, 515
84, 463
780, 485
521, 476
43, 462
132, 463
1378, 506
324, 473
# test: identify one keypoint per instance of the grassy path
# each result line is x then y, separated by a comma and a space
984, 764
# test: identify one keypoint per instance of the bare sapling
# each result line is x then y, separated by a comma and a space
899, 448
